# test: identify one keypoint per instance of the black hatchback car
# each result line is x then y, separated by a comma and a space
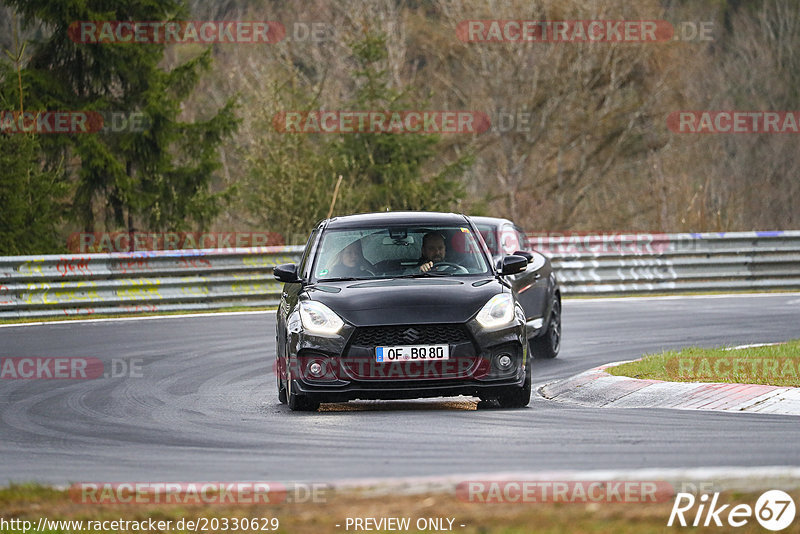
400, 305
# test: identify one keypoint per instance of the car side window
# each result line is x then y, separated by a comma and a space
509, 240
487, 233
523, 239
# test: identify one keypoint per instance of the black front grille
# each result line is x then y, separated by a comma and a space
426, 334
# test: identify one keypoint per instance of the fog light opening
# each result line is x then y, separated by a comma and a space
315, 369
504, 362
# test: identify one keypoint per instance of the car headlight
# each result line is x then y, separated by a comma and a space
497, 312
319, 319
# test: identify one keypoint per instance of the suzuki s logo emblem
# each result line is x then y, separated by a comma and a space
410, 335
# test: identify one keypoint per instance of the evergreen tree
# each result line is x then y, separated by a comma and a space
292, 176
158, 177
384, 169
32, 198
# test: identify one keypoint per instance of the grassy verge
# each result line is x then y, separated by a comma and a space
128, 315
32, 502
775, 365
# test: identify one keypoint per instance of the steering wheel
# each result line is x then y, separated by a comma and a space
449, 267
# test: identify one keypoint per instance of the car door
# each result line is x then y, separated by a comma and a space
532, 284
508, 241
542, 290
291, 291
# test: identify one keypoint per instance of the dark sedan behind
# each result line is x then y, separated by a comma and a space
537, 287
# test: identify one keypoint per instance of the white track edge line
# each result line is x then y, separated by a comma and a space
147, 318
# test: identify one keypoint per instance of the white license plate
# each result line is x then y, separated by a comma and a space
406, 353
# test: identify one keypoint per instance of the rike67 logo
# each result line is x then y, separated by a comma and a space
774, 510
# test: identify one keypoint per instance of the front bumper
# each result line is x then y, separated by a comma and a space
346, 368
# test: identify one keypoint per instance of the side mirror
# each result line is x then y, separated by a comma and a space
514, 264
524, 254
286, 273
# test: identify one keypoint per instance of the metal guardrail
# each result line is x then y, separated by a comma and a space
87, 284
666, 263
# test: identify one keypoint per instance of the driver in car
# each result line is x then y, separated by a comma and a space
433, 251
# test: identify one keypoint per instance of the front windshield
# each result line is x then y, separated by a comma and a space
380, 252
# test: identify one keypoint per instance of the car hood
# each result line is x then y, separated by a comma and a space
406, 300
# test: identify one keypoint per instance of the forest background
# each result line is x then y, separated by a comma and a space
578, 138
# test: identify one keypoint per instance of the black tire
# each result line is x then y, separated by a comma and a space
520, 396
280, 373
298, 402
548, 344
281, 390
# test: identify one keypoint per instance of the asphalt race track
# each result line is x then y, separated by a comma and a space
205, 408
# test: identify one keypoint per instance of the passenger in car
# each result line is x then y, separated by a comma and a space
350, 262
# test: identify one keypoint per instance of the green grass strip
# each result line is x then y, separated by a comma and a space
775, 365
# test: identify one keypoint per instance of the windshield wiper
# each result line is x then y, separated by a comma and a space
422, 275
341, 279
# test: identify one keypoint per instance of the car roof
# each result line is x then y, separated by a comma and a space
493, 221
395, 218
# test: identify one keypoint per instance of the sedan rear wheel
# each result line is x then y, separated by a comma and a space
548, 344
279, 374
281, 390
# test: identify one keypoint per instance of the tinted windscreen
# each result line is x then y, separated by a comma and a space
395, 251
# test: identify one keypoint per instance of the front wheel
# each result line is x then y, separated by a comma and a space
298, 402
519, 397
548, 344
